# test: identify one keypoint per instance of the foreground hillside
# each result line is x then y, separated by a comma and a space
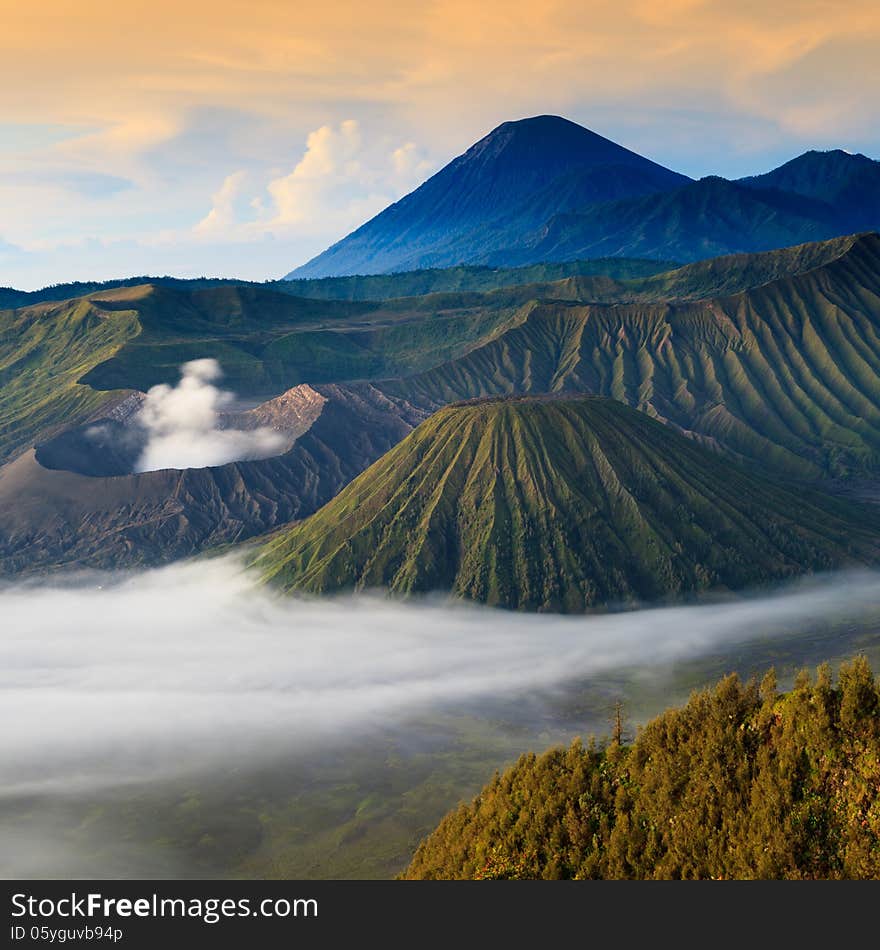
739, 783
561, 504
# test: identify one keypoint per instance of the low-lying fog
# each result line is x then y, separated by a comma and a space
107, 680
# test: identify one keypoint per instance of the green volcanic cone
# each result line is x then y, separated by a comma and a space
561, 504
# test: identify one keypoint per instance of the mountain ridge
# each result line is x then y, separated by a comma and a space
785, 375
772, 359
703, 219
846, 182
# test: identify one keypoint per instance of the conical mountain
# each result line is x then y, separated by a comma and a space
506, 184
561, 504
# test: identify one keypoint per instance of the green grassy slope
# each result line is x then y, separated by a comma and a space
730, 274
734, 273
561, 504
626, 276
10, 298
233, 324
44, 350
60, 362
739, 783
268, 342
786, 374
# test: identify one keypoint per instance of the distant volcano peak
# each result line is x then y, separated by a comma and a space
505, 185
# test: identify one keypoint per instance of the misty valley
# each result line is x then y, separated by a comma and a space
231, 733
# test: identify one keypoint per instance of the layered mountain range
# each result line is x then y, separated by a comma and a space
546, 189
642, 428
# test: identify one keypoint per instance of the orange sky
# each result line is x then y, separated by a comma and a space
174, 133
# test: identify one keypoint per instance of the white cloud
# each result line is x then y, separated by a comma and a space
222, 215
321, 181
409, 165
339, 183
328, 151
183, 425
120, 147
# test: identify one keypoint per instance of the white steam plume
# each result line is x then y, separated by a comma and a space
189, 666
182, 424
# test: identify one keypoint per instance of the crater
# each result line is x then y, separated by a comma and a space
114, 444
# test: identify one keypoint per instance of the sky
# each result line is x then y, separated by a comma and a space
238, 139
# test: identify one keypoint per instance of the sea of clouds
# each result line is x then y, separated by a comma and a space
108, 679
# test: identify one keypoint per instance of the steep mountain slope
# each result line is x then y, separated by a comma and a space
786, 374
561, 504
234, 324
63, 363
506, 184
848, 183
703, 219
56, 358
740, 783
53, 517
782, 370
